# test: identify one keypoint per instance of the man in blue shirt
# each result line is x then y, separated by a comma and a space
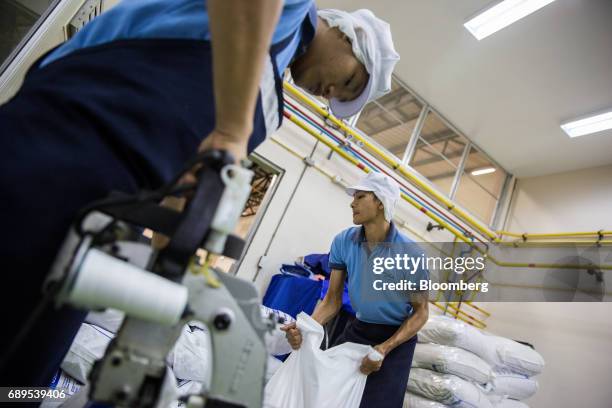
375, 260
127, 101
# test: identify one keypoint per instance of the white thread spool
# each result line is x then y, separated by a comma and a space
104, 281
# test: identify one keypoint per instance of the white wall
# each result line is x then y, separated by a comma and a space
573, 201
574, 338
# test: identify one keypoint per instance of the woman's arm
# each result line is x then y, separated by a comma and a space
332, 302
325, 310
410, 326
406, 331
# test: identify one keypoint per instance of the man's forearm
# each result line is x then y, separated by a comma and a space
241, 33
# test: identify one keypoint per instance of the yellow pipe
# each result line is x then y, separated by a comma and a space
549, 265
421, 208
395, 165
452, 255
468, 316
473, 296
456, 315
331, 177
497, 262
494, 236
293, 152
363, 168
510, 285
527, 235
558, 243
414, 203
481, 310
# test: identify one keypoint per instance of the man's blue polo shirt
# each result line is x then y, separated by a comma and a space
176, 19
350, 252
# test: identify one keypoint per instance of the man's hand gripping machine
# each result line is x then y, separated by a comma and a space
100, 267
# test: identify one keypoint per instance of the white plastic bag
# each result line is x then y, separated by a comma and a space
191, 358
276, 339
272, 367
313, 378
447, 389
452, 360
416, 401
499, 352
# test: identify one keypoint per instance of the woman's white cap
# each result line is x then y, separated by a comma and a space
384, 188
373, 46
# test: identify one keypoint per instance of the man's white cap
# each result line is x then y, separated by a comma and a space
384, 188
373, 46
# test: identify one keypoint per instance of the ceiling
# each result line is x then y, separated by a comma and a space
509, 92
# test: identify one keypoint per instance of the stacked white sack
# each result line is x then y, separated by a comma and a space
513, 364
513, 385
509, 403
416, 401
447, 389
498, 351
452, 360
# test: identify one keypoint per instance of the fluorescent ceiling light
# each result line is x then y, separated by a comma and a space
502, 15
485, 170
592, 124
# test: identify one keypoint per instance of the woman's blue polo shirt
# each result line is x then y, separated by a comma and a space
350, 252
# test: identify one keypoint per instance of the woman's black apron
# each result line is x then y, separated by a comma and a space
121, 116
387, 386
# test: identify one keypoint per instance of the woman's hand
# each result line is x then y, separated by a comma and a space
293, 334
369, 366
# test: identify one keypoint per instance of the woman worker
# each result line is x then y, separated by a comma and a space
387, 319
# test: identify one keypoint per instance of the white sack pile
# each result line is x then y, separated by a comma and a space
457, 364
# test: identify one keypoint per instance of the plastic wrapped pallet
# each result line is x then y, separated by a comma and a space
447, 389
452, 360
513, 385
416, 401
498, 351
